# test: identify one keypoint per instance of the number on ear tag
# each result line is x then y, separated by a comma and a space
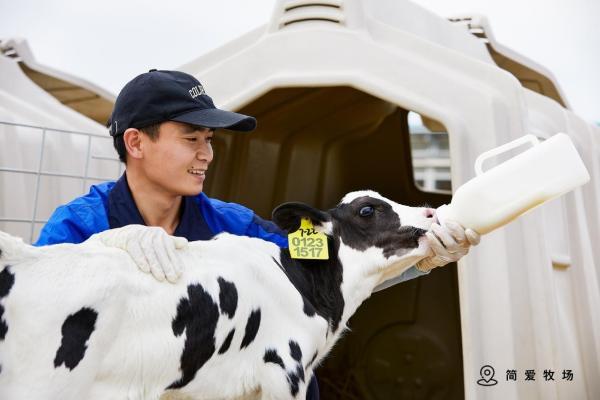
308, 244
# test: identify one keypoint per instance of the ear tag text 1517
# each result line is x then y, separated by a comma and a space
306, 243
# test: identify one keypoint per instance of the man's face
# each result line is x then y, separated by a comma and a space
177, 161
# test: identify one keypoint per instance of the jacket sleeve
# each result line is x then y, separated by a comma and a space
76, 221
64, 226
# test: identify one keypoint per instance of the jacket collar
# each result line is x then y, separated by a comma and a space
123, 211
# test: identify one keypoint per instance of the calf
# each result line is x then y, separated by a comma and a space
245, 320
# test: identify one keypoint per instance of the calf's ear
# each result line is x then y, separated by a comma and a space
288, 215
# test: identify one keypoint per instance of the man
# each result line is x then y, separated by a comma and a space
162, 126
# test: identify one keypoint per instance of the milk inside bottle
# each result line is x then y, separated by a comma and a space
499, 195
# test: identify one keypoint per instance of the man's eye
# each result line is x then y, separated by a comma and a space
366, 211
191, 139
209, 139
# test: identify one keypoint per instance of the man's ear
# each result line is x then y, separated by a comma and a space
132, 138
288, 215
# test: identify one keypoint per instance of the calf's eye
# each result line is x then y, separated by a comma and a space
366, 211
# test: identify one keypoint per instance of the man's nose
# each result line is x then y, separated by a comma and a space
204, 153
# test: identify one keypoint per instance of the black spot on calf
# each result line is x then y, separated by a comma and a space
300, 372
228, 297
197, 315
7, 280
76, 330
295, 351
252, 326
308, 308
227, 342
271, 356
293, 377
293, 380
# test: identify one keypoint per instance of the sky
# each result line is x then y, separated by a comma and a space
109, 42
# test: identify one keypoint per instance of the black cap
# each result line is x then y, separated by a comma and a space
158, 96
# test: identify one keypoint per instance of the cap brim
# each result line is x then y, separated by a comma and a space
218, 119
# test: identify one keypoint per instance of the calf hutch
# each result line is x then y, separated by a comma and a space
379, 95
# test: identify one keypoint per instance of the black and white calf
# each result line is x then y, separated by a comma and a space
244, 321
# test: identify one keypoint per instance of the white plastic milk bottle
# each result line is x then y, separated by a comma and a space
499, 195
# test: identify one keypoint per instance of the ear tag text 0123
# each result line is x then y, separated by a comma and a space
306, 243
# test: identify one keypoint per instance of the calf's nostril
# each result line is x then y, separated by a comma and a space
429, 212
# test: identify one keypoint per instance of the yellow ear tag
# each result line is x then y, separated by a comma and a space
308, 244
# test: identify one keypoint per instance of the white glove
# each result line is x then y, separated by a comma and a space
447, 243
151, 248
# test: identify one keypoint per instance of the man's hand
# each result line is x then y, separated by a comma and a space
151, 248
447, 243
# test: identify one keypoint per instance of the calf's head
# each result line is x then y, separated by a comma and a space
374, 238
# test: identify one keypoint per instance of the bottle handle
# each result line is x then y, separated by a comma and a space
501, 149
